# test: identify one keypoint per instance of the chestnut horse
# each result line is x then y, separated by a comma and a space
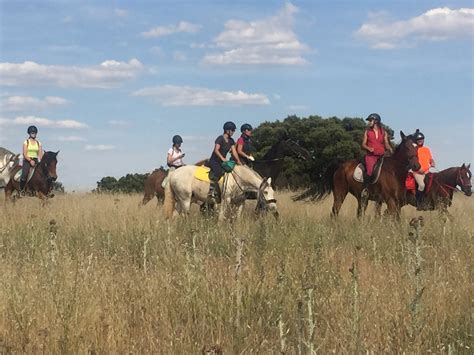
41, 182
390, 187
153, 186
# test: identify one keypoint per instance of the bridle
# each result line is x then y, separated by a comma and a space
262, 202
459, 182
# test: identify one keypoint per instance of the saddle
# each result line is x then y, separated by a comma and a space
17, 176
202, 174
360, 172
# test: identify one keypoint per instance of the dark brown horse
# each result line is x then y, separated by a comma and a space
153, 186
390, 187
441, 186
41, 182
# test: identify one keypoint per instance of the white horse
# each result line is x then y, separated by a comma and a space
184, 189
8, 161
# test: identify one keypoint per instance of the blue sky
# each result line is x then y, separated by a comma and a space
109, 83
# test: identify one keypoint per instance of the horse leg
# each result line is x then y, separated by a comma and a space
146, 198
361, 206
393, 209
339, 194
378, 208
43, 198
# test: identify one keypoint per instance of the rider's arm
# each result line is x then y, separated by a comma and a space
217, 146
240, 151
235, 155
432, 163
364, 143
388, 146
40, 151
25, 152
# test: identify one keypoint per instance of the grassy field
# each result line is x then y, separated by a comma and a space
97, 274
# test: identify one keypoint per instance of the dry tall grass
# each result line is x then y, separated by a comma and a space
97, 274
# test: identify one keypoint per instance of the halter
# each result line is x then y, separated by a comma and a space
459, 182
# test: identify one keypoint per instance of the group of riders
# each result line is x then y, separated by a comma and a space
375, 142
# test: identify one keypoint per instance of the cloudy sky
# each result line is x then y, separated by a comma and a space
108, 83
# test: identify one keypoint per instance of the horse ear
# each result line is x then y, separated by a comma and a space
269, 180
463, 165
469, 166
57, 152
402, 135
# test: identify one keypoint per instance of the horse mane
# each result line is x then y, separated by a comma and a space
271, 153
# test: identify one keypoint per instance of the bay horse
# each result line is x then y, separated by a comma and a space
184, 188
41, 182
441, 186
390, 187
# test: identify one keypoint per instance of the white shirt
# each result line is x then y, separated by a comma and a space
174, 154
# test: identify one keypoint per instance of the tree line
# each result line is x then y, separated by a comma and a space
327, 139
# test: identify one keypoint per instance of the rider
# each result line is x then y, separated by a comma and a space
244, 144
223, 144
32, 154
175, 154
426, 162
375, 142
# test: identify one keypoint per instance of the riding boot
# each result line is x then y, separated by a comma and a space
364, 194
419, 200
214, 195
22, 187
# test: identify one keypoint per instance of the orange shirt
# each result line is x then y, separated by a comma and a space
424, 157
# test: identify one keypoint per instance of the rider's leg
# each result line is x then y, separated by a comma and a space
419, 195
25, 169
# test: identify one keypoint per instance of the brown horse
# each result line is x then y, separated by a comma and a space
441, 186
41, 182
390, 187
153, 186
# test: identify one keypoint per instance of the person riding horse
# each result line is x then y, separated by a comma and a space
244, 144
32, 154
175, 154
218, 161
426, 162
375, 142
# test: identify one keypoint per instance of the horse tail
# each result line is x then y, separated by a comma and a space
168, 204
323, 186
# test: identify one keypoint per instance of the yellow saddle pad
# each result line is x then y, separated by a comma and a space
202, 173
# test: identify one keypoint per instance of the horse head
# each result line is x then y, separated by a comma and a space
49, 163
294, 149
409, 149
266, 201
464, 179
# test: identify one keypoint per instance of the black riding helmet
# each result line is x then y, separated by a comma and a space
230, 126
245, 127
177, 139
32, 129
374, 117
418, 135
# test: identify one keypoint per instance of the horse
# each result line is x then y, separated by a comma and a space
270, 165
441, 186
184, 189
153, 186
8, 161
389, 188
41, 182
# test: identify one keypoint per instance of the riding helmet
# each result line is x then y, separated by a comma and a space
375, 117
245, 127
32, 129
418, 135
177, 139
230, 126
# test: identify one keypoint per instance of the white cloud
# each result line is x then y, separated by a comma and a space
24, 103
108, 74
433, 25
181, 27
99, 147
71, 139
267, 41
42, 122
170, 95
